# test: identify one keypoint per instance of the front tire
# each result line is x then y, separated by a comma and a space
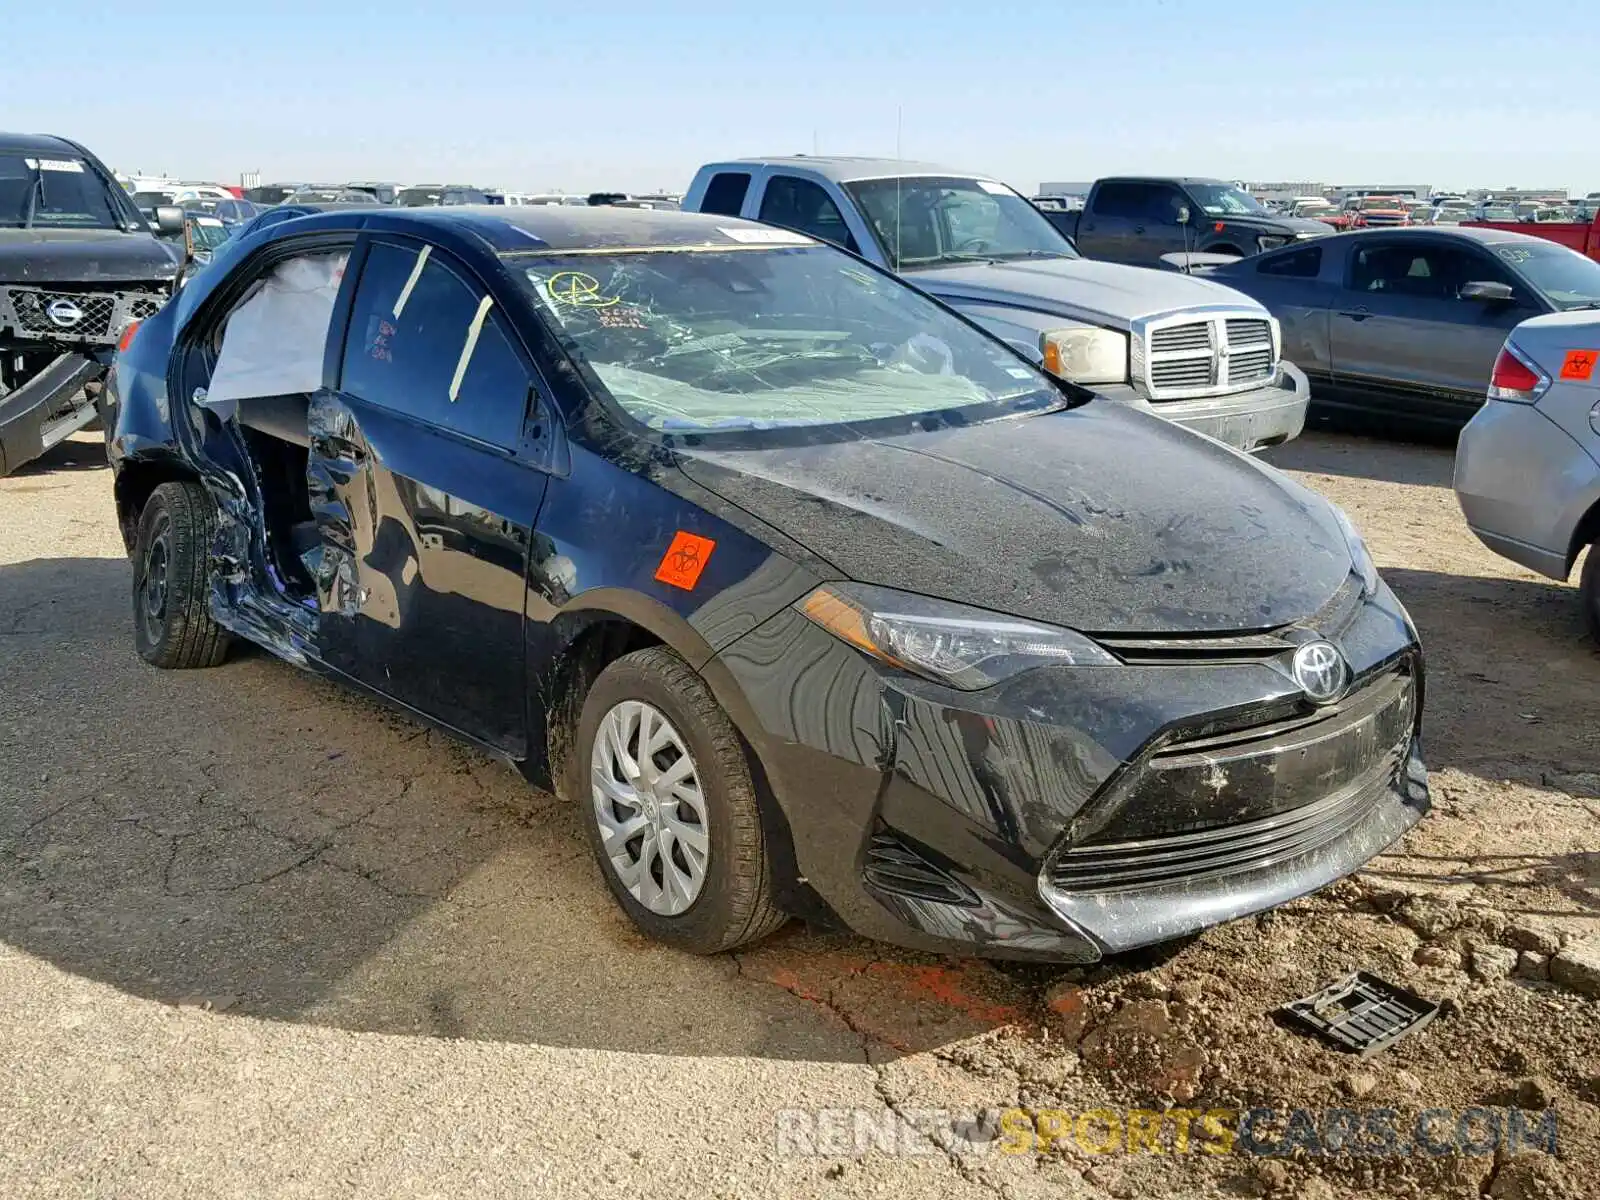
172, 625
670, 807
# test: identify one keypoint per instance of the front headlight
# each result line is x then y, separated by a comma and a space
1085, 356
1271, 241
966, 648
1360, 556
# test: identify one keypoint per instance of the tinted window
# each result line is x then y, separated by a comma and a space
1297, 264
803, 205
1121, 200
425, 343
1418, 270
725, 193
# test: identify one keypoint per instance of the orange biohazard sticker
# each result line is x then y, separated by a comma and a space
684, 560
1579, 364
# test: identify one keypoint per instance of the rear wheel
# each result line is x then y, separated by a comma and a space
670, 807
172, 625
1589, 590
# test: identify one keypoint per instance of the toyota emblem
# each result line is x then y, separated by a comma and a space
1321, 671
63, 313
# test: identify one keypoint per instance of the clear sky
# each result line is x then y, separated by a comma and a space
592, 94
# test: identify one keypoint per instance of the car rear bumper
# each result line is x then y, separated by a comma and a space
1072, 813
40, 413
1523, 484
1253, 420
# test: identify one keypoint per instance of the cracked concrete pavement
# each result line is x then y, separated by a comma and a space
261, 936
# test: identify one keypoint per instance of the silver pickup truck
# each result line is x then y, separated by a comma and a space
1181, 347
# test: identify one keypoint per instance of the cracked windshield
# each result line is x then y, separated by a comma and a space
737, 339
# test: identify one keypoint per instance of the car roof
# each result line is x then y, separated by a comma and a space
1442, 233
42, 143
569, 227
840, 168
1186, 179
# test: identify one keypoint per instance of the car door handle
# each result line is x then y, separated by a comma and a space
1359, 314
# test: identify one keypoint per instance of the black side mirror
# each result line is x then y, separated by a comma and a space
169, 219
1487, 293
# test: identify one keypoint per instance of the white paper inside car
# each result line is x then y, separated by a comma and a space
274, 341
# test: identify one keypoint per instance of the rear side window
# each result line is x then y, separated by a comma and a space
426, 343
725, 193
802, 205
1298, 264
1121, 200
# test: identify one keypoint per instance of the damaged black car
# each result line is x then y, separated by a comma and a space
813, 598
78, 264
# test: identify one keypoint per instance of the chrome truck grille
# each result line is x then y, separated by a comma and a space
1186, 356
45, 314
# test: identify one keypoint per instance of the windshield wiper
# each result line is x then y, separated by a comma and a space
35, 194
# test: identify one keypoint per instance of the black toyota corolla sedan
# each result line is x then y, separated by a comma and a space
811, 597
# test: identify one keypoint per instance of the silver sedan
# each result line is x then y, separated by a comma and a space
1528, 464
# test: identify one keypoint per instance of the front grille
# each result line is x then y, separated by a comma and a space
1184, 374
1249, 333
1250, 365
68, 316
1230, 850
1182, 337
1239, 795
894, 867
1182, 359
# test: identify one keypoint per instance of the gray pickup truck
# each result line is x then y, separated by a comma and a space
1181, 347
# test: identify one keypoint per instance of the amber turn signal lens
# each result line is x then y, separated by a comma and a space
128, 330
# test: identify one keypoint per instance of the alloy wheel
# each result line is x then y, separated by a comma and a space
650, 807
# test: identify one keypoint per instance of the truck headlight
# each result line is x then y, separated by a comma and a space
967, 648
1271, 241
1085, 356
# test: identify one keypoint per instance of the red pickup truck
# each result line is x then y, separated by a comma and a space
1575, 235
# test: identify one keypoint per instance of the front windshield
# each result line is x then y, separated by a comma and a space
1380, 204
734, 339
923, 221
1221, 200
53, 193
417, 197
1567, 279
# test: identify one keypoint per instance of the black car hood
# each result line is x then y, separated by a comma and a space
46, 256
1099, 518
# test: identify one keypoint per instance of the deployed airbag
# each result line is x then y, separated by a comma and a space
274, 341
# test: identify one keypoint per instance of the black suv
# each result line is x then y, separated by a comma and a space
78, 263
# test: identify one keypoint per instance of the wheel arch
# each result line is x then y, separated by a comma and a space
136, 479
1585, 533
587, 636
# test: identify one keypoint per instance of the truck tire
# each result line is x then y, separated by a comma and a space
172, 625
680, 843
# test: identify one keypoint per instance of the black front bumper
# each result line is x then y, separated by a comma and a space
39, 414
1076, 812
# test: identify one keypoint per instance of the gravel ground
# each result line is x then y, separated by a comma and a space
261, 937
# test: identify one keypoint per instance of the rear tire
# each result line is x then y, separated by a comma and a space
711, 842
1589, 591
172, 625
